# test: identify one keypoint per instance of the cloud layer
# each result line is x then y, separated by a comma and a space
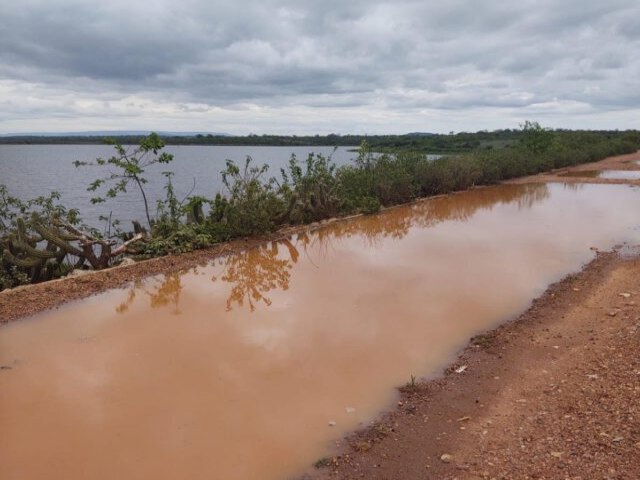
318, 67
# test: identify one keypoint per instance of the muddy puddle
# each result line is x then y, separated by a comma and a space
234, 370
610, 174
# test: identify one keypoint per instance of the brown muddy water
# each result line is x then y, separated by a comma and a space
234, 370
610, 174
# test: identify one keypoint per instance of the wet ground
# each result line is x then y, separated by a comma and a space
621, 169
605, 174
252, 367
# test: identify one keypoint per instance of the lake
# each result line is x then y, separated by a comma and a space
32, 170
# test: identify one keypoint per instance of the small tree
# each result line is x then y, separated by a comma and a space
536, 139
130, 164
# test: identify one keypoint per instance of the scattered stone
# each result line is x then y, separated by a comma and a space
625, 295
446, 458
556, 454
613, 313
461, 369
463, 419
126, 261
332, 423
78, 273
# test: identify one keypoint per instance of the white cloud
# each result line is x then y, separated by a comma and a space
317, 67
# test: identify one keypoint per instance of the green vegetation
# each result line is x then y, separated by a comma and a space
130, 165
40, 239
412, 142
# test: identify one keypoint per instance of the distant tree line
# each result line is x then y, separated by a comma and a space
414, 142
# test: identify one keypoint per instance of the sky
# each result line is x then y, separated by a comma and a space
318, 67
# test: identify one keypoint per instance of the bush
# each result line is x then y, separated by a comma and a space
310, 191
253, 206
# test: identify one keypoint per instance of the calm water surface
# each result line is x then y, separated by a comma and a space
233, 370
32, 170
611, 174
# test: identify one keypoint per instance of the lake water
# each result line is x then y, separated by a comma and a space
32, 170
233, 370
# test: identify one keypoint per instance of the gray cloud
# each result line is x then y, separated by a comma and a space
222, 63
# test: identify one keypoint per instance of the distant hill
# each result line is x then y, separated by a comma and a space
111, 133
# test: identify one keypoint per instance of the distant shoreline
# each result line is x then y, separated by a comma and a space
419, 142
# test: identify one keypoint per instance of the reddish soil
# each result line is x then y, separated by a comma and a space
552, 394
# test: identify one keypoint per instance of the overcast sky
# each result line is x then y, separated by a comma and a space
343, 66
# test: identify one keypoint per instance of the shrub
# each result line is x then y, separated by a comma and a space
253, 206
310, 191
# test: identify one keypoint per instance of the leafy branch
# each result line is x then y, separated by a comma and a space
130, 165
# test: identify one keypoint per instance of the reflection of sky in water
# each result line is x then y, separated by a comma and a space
233, 369
608, 174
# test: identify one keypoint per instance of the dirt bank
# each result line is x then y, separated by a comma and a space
552, 394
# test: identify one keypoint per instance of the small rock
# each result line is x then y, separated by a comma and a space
446, 458
332, 423
625, 295
463, 419
126, 261
617, 440
349, 409
613, 313
556, 454
78, 273
461, 369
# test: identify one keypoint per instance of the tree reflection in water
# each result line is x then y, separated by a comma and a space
161, 293
257, 271
254, 273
